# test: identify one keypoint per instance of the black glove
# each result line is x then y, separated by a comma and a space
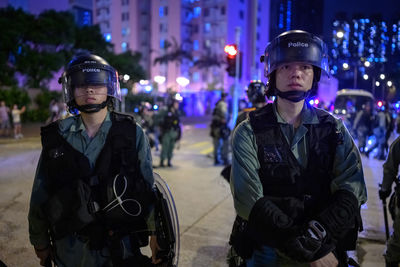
305, 246
384, 194
269, 225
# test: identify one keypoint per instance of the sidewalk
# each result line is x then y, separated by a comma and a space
30, 130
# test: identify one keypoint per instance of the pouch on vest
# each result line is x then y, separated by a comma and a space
66, 219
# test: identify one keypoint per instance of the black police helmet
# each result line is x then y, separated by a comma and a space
256, 92
89, 69
295, 46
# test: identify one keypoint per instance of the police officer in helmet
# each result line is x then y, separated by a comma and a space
93, 191
297, 179
256, 94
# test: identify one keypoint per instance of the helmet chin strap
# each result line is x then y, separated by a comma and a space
91, 108
294, 95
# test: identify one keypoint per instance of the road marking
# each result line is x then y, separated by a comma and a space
207, 151
199, 144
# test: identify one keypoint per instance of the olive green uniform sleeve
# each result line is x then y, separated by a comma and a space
347, 167
246, 186
391, 166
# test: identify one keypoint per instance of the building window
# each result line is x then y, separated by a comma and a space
241, 14
207, 27
223, 10
98, 12
206, 12
107, 36
163, 11
125, 31
124, 46
196, 11
163, 27
258, 21
196, 45
124, 2
207, 43
195, 28
196, 76
125, 16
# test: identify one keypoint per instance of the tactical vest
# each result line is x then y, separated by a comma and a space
171, 121
79, 194
281, 175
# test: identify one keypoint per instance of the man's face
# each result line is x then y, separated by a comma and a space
296, 76
90, 94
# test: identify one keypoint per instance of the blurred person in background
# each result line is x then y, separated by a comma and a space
4, 119
362, 126
220, 131
16, 116
390, 176
171, 132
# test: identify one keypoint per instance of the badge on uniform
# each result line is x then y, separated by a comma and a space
272, 154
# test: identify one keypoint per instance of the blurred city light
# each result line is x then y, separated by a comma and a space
148, 88
159, 79
345, 66
155, 107
382, 76
340, 34
377, 83
178, 97
231, 50
365, 76
389, 83
182, 81
144, 82
367, 64
380, 103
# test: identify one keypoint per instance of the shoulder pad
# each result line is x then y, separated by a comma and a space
49, 128
116, 116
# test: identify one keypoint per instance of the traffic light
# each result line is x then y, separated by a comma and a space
231, 53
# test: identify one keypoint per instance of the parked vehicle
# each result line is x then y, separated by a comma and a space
349, 101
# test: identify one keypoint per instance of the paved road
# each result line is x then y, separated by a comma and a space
202, 197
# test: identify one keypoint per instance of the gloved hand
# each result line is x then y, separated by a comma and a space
384, 194
44, 254
304, 247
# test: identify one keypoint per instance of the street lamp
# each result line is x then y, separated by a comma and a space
389, 83
340, 34
126, 77
182, 81
382, 76
367, 64
365, 76
377, 83
159, 79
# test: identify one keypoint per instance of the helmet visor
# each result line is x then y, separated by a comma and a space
90, 74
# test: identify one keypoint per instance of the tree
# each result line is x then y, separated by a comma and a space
127, 63
175, 54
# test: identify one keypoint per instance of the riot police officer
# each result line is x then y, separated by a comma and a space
297, 179
220, 131
93, 191
170, 131
256, 94
390, 171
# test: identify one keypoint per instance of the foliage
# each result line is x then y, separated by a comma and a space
14, 96
127, 63
173, 53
